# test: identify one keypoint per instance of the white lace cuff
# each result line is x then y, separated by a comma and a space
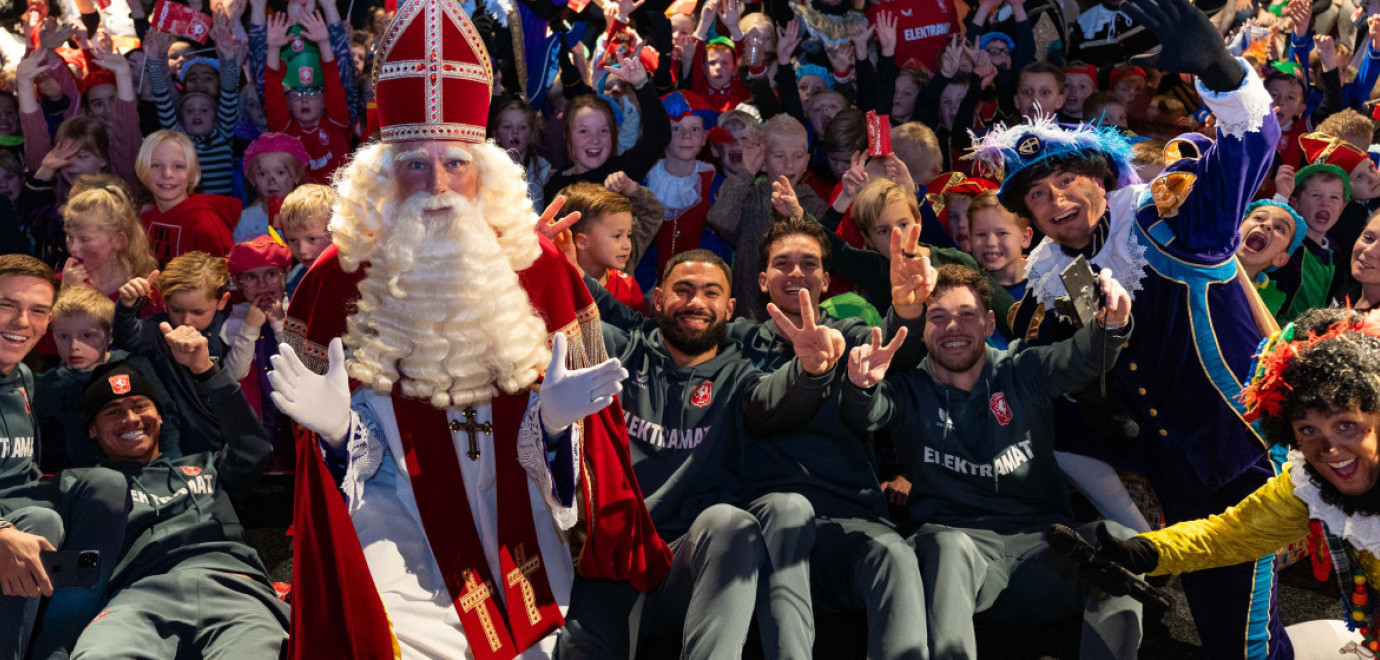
364, 454
533, 457
1241, 110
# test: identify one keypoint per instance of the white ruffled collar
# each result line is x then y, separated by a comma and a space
1361, 531
1122, 253
677, 194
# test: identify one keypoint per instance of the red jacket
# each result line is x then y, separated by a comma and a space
328, 142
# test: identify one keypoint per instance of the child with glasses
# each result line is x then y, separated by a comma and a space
304, 96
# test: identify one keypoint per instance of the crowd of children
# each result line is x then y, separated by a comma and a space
185, 181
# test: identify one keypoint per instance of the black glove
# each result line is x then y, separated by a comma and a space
1189, 43
1136, 554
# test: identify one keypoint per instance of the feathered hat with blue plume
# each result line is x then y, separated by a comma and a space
1005, 151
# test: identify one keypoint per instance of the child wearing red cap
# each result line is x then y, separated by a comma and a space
274, 164
1080, 82
258, 268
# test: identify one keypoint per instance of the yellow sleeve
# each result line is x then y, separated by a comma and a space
1267, 520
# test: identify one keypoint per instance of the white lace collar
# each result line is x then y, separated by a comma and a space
677, 194
1361, 531
1122, 253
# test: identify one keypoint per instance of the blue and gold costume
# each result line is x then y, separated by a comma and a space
1172, 244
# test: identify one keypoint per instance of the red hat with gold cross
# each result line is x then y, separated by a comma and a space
432, 75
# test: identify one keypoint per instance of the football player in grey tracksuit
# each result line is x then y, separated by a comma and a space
29, 522
186, 579
973, 428
689, 401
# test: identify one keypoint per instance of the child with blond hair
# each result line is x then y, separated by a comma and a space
194, 287
82, 327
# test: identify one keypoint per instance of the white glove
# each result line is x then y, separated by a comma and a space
570, 396
319, 403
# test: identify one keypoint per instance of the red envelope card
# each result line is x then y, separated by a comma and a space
577, 6
878, 134
181, 20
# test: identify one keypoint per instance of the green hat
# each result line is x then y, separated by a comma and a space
1310, 170
303, 61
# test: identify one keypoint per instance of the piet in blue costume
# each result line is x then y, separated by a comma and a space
1175, 417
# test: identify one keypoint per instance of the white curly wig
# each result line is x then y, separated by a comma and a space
441, 309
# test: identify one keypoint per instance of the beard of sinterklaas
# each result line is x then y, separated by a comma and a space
442, 311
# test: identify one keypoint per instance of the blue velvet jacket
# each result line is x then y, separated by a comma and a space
1181, 373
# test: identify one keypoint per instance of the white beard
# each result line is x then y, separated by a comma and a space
441, 309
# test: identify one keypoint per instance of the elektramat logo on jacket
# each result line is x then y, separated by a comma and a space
1006, 462
653, 434
21, 447
203, 484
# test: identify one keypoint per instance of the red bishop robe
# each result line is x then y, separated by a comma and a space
336, 614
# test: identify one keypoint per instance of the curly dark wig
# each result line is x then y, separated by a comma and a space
1088, 164
1337, 373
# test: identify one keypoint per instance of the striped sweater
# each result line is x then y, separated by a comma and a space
214, 150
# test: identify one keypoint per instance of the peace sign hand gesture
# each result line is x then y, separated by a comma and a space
868, 363
818, 347
912, 276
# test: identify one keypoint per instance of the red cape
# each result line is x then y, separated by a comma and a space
336, 610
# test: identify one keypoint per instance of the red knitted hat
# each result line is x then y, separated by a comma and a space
432, 75
257, 252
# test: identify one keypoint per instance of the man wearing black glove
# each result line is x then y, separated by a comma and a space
1176, 383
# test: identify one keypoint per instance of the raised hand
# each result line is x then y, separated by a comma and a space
853, 181
1327, 51
549, 226
137, 289
278, 31
156, 43
1189, 43
754, 155
859, 34
897, 171
58, 159
54, 34
951, 58
787, 40
868, 363
707, 14
621, 183
912, 276
321, 404
224, 37
730, 11
33, 65
818, 347
630, 69
1116, 310
783, 199
188, 346
1301, 11
984, 69
1373, 24
106, 58
1284, 181
314, 28
567, 396
886, 33
626, 8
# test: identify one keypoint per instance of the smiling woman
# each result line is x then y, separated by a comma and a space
1317, 392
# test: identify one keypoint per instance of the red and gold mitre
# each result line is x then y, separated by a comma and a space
432, 75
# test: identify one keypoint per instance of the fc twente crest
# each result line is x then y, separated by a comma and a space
703, 394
